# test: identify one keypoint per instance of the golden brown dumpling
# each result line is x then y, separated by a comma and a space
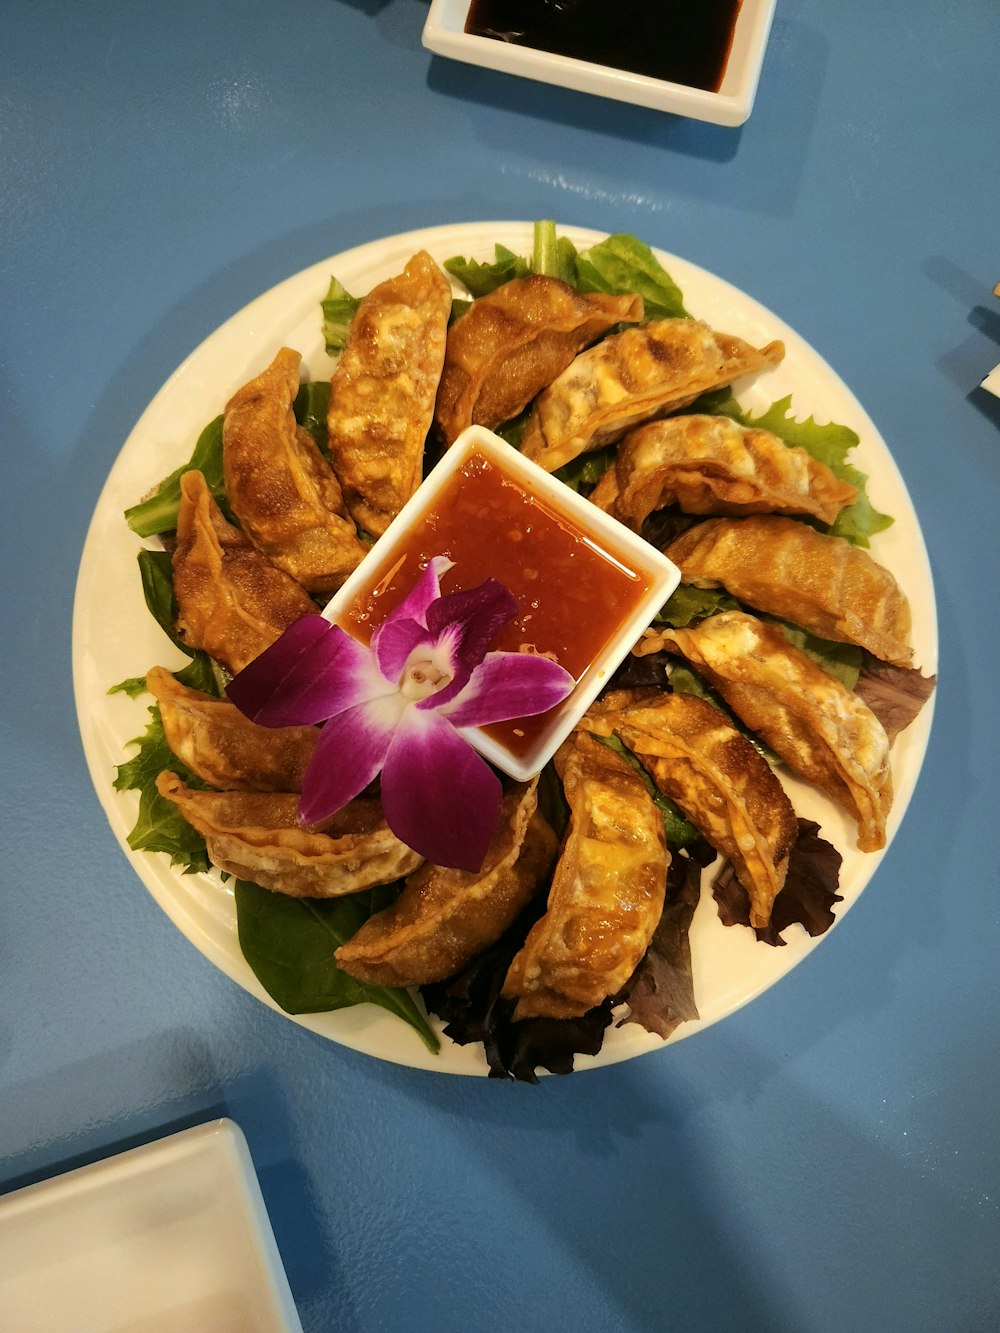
383, 390
815, 580
713, 465
280, 486
607, 891
512, 343
225, 749
717, 778
231, 600
255, 836
821, 729
632, 377
444, 918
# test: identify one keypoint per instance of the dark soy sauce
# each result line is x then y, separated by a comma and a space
683, 41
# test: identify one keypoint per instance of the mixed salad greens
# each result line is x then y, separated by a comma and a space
289, 942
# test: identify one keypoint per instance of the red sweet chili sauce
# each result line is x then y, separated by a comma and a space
572, 592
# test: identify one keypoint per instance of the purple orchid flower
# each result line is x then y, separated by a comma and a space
399, 707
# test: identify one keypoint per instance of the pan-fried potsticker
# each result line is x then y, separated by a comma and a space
723, 786
821, 729
231, 600
607, 890
255, 836
383, 390
788, 569
633, 377
280, 486
513, 342
713, 465
213, 739
445, 918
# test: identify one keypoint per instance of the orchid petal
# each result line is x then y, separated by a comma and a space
506, 686
311, 672
352, 748
471, 619
394, 641
426, 590
438, 795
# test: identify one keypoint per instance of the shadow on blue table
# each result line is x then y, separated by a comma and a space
792, 76
182, 1087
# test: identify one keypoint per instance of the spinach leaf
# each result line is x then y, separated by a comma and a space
310, 407
155, 568
339, 308
160, 826
289, 943
158, 513
623, 264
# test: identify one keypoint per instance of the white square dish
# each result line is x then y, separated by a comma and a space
168, 1236
444, 33
651, 577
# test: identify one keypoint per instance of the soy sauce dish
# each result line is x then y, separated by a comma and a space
696, 58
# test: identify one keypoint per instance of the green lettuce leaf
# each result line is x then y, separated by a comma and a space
679, 831
289, 943
830, 444
481, 279
554, 256
160, 826
623, 264
158, 513
587, 469
688, 604
339, 308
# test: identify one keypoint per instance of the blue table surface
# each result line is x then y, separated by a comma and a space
825, 1159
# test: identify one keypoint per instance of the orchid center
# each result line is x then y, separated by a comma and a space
423, 675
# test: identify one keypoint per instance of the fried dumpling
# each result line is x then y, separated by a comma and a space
512, 343
280, 486
255, 836
713, 465
607, 890
724, 787
383, 391
231, 600
213, 739
632, 377
788, 569
823, 731
445, 918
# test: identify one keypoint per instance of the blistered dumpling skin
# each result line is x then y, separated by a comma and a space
713, 465
821, 729
213, 739
254, 835
607, 890
231, 600
724, 787
788, 569
383, 390
280, 486
633, 377
445, 918
512, 343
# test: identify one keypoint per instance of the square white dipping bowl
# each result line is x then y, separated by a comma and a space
444, 33
596, 529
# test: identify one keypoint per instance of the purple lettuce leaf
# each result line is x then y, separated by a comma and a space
808, 896
895, 694
660, 993
471, 1006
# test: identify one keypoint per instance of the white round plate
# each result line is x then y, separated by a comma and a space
114, 637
